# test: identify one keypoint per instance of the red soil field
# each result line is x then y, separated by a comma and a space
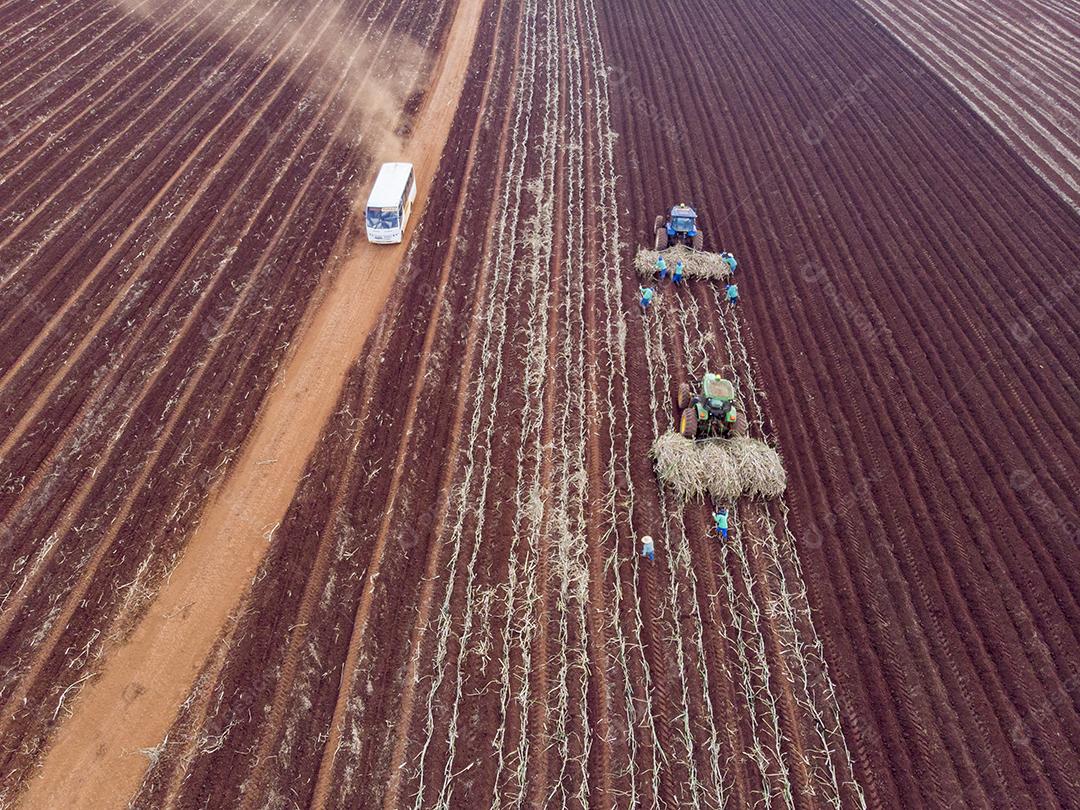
533, 627
453, 610
886, 268
144, 321
1014, 64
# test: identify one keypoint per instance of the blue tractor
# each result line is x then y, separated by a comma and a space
679, 229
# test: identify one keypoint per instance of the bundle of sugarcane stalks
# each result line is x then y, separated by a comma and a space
726, 469
696, 263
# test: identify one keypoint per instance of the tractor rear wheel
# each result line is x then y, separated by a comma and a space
661, 239
699, 241
688, 423
684, 395
659, 223
741, 426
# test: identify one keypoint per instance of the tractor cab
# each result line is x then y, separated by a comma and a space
709, 412
680, 228
717, 393
683, 222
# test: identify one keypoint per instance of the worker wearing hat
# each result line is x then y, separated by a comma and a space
730, 260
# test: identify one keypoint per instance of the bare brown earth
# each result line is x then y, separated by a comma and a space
1014, 63
95, 761
910, 283
143, 322
450, 609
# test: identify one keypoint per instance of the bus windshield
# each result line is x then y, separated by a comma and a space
382, 218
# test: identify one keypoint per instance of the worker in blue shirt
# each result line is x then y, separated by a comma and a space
677, 275
661, 268
720, 518
730, 260
646, 297
648, 550
733, 294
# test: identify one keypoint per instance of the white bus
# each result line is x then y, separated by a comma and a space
390, 203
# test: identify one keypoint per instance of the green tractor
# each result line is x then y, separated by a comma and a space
709, 411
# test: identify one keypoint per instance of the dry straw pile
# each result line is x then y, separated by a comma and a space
696, 264
726, 469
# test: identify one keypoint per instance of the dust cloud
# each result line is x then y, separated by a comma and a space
369, 73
